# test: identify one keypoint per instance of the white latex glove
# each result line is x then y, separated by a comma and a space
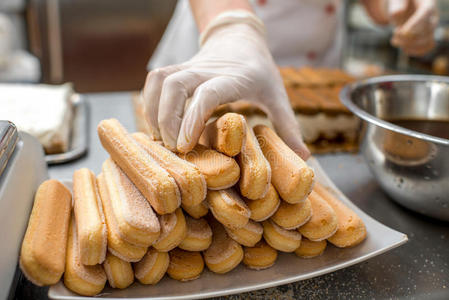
415, 22
234, 63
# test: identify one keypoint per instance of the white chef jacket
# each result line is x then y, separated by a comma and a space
299, 32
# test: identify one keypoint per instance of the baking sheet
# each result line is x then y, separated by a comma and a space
79, 136
288, 268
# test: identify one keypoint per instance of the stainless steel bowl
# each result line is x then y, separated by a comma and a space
411, 166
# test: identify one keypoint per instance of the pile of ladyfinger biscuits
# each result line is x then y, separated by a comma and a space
241, 195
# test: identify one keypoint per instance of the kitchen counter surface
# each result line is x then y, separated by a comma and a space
418, 269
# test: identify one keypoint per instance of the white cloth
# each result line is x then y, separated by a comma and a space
299, 32
21, 67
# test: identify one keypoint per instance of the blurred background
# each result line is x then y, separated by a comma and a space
104, 45
369, 52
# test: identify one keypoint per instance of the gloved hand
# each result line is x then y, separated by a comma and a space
415, 22
234, 63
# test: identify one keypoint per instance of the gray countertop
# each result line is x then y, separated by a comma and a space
418, 269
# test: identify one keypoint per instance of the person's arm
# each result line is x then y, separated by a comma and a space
414, 21
376, 9
206, 10
234, 63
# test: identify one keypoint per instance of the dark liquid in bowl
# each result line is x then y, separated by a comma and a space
435, 128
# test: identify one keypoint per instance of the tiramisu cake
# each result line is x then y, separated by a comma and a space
44, 111
327, 125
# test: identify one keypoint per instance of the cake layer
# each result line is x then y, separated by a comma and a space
307, 76
318, 126
44, 111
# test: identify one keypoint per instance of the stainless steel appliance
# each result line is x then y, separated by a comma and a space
24, 168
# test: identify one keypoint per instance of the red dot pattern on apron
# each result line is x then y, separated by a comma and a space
311, 55
329, 9
261, 2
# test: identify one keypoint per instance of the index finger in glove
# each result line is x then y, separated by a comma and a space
176, 89
151, 95
207, 97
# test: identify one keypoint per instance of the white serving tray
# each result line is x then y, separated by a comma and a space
288, 268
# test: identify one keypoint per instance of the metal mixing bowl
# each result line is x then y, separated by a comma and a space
412, 167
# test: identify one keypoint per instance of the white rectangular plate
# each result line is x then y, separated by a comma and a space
288, 268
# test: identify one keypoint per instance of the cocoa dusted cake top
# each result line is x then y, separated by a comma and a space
313, 90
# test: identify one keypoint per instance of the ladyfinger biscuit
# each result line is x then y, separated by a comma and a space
116, 244
351, 229
198, 237
79, 278
260, 256
221, 171
279, 238
248, 235
173, 231
226, 134
197, 211
309, 249
43, 253
185, 265
255, 171
263, 208
152, 267
228, 208
291, 216
91, 225
119, 272
136, 222
224, 254
323, 223
290, 175
191, 182
157, 186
